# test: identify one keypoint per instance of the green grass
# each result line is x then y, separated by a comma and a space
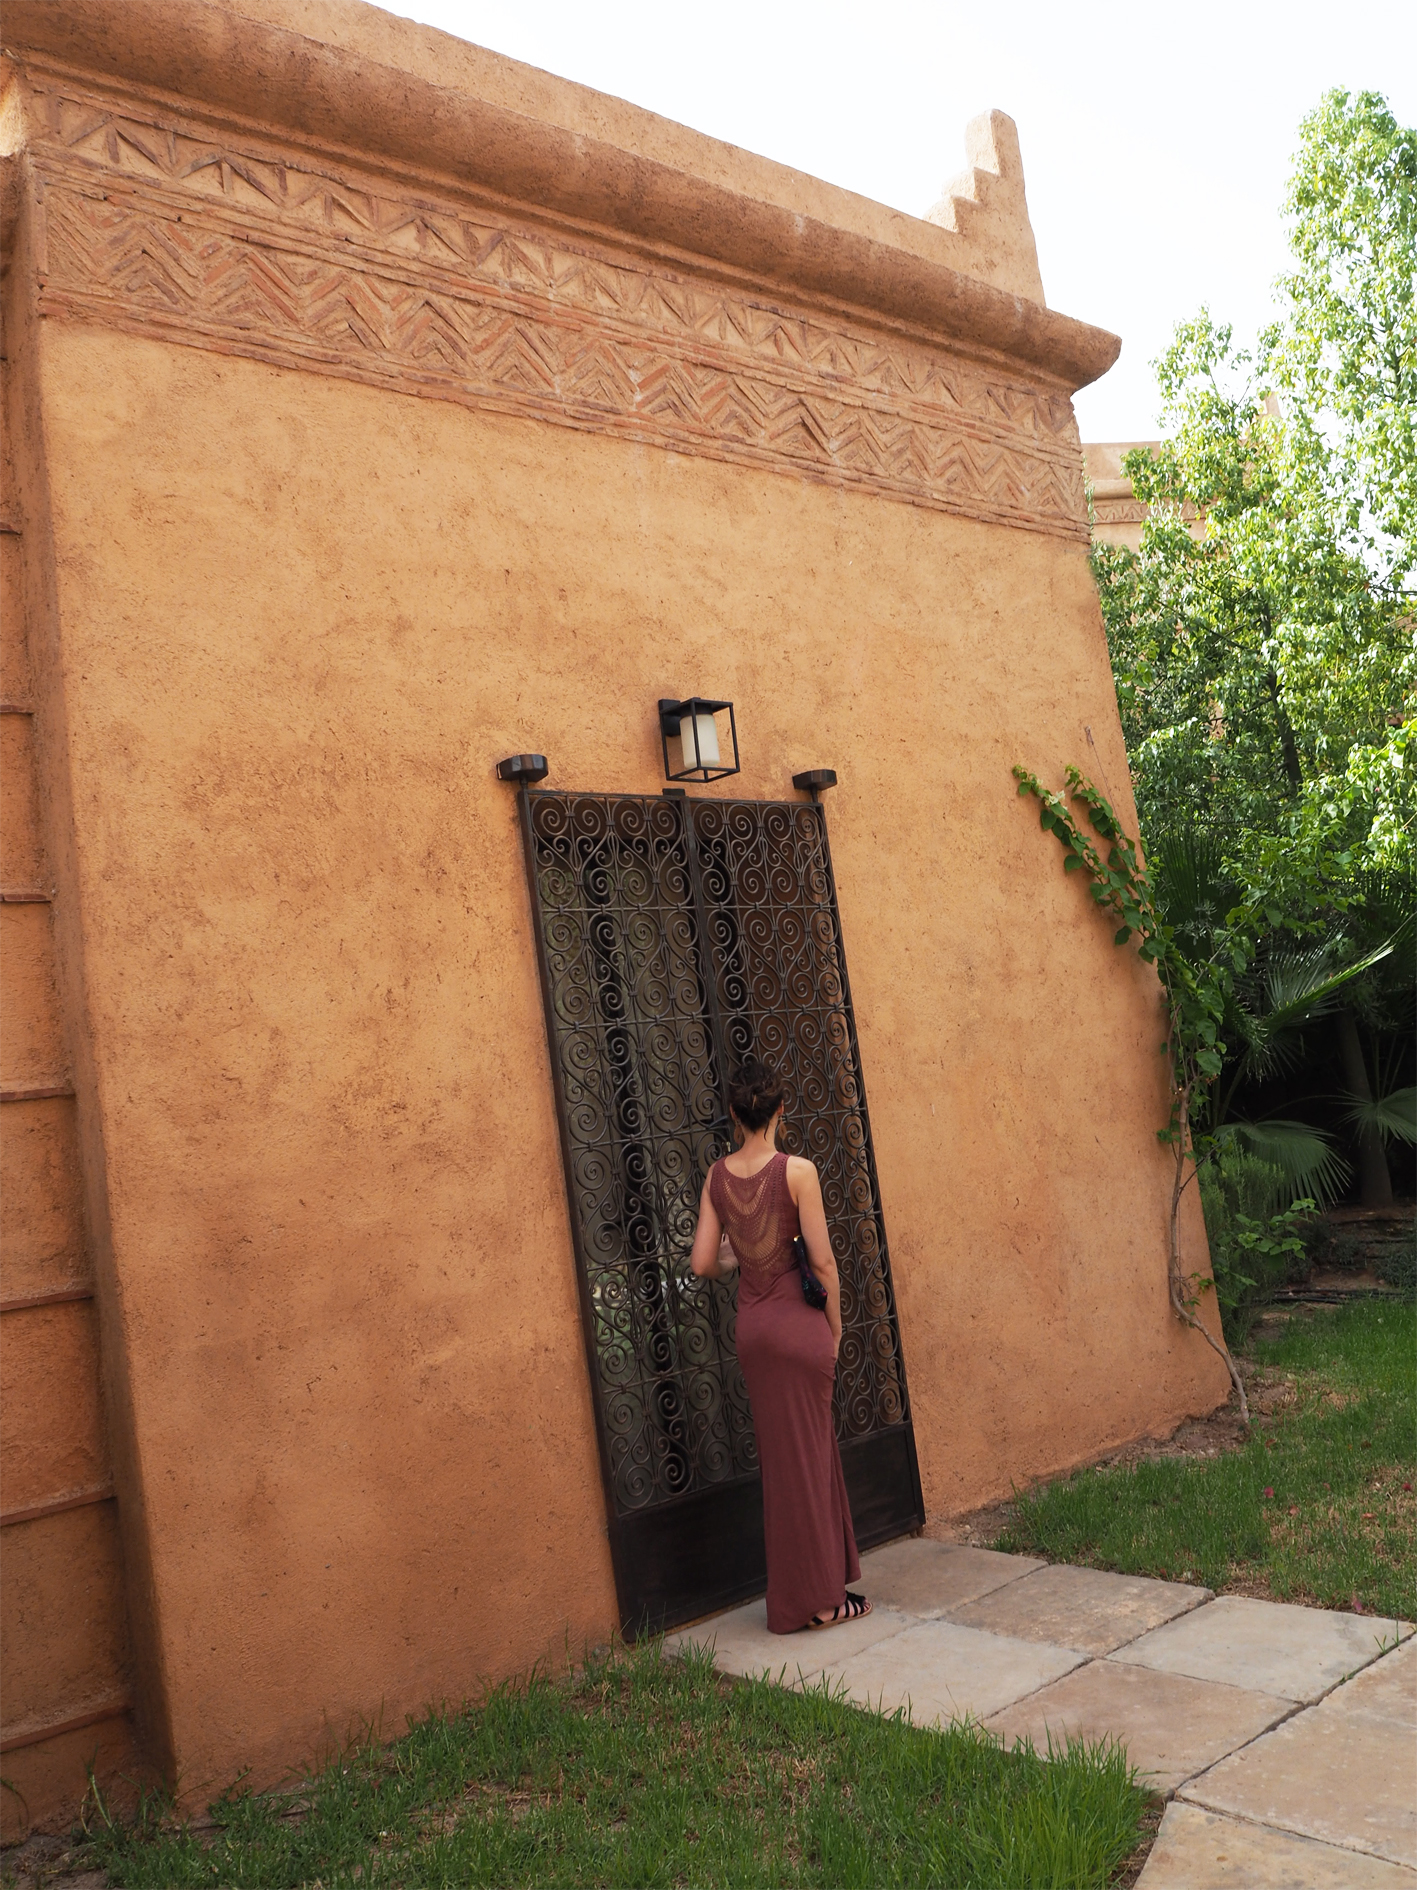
1318, 1506
645, 1771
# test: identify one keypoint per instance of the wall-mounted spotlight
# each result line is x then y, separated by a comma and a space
693, 724
815, 781
525, 770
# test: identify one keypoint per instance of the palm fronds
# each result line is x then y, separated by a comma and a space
1298, 989
1193, 891
1303, 1158
1391, 1116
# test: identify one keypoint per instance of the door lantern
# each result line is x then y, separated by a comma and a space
693, 727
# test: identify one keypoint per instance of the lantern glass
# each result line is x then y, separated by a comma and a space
698, 741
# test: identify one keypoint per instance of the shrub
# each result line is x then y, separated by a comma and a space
1397, 1265
1253, 1250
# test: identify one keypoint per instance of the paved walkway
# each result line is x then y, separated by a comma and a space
1284, 1738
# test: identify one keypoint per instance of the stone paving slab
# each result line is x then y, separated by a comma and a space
1268, 1646
1199, 1850
1344, 1771
1086, 1608
1171, 1726
743, 1645
1321, 1798
1386, 1691
942, 1671
932, 1578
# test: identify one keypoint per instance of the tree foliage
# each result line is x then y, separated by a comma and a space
1262, 642
1346, 343
1263, 637
1209, 1009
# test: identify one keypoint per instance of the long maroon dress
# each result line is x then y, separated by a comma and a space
785, 1350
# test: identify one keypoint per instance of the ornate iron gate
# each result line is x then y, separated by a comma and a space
674, 936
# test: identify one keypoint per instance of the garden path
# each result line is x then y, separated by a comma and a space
1284, 1739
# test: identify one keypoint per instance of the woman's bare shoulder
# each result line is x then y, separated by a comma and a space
799, 1168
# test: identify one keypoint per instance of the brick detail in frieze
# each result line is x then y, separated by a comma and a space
160, 229
1119, 511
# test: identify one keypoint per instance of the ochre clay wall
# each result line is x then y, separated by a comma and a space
64, 1659
329, 537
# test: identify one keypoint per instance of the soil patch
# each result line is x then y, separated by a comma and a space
47, 1863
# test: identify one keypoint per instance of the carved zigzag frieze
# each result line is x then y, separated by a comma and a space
157, 229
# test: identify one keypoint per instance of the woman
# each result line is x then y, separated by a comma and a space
760, 1199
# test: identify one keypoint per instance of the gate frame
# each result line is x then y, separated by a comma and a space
738, 1497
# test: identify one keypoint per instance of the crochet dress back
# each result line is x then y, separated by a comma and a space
762, 1222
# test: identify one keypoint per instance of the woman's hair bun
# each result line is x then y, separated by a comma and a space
755, 1093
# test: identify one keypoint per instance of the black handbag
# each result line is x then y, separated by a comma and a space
813, 1291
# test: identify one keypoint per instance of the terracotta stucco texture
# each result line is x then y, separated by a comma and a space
75, 1651
300, 619
21, 861
40, 1199
31, 1034
52, 1439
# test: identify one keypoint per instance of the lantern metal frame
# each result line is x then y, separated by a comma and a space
672, 714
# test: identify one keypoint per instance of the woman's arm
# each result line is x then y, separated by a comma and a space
707, 1235
806, 1190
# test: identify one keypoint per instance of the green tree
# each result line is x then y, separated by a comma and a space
1264, 670
1345, 346
1262, 639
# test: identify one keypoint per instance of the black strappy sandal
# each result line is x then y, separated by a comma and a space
854, 1608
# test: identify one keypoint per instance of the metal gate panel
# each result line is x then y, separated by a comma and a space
775, 948
672, 936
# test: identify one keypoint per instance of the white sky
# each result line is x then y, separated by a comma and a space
1156, 140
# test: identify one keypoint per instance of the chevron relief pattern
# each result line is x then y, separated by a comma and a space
156, 229
528, 262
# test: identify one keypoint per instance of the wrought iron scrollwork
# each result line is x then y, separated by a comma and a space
774, 942
640, 1086
676, 935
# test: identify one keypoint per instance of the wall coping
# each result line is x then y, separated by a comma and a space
607, 163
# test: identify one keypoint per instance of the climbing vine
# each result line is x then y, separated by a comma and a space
1195, 1000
